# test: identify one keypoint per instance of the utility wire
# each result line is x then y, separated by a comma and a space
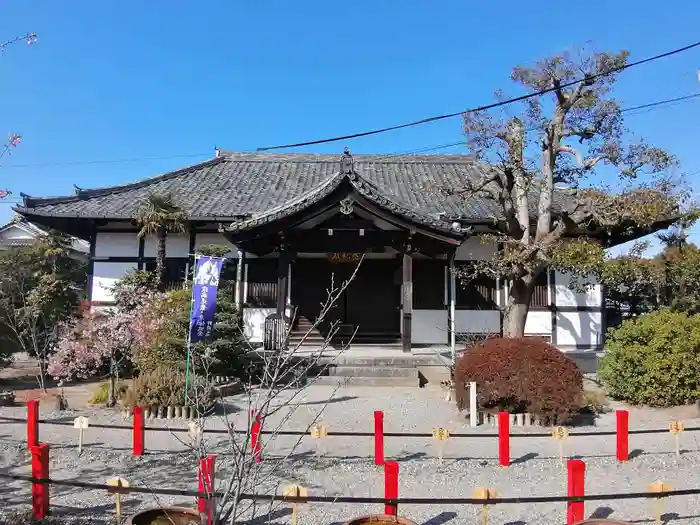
485, 107
650, 105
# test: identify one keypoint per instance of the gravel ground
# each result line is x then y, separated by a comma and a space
344, 466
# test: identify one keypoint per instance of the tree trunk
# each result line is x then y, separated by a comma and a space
519, 297
161, 238
111, 390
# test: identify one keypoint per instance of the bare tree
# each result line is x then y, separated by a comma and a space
550, 164
269, 398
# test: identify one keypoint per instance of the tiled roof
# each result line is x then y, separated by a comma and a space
248, 186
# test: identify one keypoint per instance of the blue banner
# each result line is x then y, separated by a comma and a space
207, 271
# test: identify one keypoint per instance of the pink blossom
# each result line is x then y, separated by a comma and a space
13, 140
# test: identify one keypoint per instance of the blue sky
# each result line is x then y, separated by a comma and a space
111, 80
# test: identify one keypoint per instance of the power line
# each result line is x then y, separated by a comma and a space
482, 108
648, 106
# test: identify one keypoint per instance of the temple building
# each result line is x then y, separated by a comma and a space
298, 222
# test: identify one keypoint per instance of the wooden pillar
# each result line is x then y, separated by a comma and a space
240, 286
282, 280
407, 299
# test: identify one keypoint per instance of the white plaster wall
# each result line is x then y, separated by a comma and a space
429, 327
477, 321
203, 239
579, 328
104, 276
565, 296
254, 323
538, 323
473, 249
14, 232
112, 244
175, 246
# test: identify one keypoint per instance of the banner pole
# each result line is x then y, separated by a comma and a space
189, 333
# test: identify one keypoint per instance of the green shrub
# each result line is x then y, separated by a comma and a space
594, 402
519, 376
164, 386
654, 359
99, 396
168, 341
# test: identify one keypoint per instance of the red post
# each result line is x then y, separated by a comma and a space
205, 468
255, 439
40, 470
139, 438
576, 470
504, 439
391, 486
378, 437
623, 429
32, 423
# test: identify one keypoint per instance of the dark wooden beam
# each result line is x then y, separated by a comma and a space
283, 279
407, 316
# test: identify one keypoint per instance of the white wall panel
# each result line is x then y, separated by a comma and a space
104, 276
254, 323
566, 296
477, 321
175, 246
113, 244
579, 328
204, 239
538, 323
429, 327
473, 249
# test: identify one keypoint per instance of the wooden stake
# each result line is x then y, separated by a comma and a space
560, 434
440, 435
118, 483
319, 432
294, 491
659, 487
485, 494
81, 423
676, 428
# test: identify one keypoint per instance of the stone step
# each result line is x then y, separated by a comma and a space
363, 371
377, 362
366, 381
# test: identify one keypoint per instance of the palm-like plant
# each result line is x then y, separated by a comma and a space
159, 216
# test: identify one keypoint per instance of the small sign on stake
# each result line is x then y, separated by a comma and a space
294, 491
194, 429
560, 434
119, 484
440, 435
659, 488
486, 494
319, 431
676, 428
81, 423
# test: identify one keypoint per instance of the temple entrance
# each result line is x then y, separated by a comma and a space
370, 303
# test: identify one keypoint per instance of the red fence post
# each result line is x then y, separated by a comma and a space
32, 423
391, 486
40, 470
623, 428
504, 439
205, 469
255, 439
378, 437
576, 470
139, 432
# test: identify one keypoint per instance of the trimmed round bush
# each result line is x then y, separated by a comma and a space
520, 376
654, 359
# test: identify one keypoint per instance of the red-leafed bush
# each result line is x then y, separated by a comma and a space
520, 376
